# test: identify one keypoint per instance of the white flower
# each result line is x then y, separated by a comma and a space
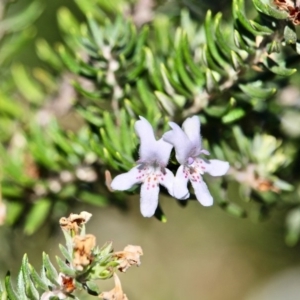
150, 171
187, 144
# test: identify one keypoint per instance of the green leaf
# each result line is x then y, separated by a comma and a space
274, 46
255, 91
37, 215
96, 31
65, 268
222, 42
29, 88
169, 80
283, 185
111, 130
21, 287
141, 40
160, 215
211, 63
233, 115
211, 81
14, 211
9, 107
146, 96
23, 18
290, 34
10, 47
139, 67
67, 22
92, 288
238, 8
210, 39
91, 115
234, 210
185, 77
67, 255
51, 272
282, 71
241, 140
240, 43
268, 10
30, 289
68, 60
59, 139
12, 295
153, 69
106, 249
293, 227
131, 41
36, 279
45, 52
94, 199
215, 110
192, 65
91, 7
236, 61
126, 133
107, 142
93, 95
41, 148
263, 29
166, 102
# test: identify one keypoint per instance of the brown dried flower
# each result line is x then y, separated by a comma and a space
74, 221
116, 293
250, 177
66, 286
130, 256
291, 7
83, 246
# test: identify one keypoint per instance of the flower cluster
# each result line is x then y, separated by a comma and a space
85, 263
151, 169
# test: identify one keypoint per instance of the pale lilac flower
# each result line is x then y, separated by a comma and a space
150, 171
187, 144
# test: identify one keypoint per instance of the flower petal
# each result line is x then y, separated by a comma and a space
167, 181
191, 126
202, 193
216, 167
150, 149
163, 151
180, 141
126, 180
149, 200
180, 189
145, 133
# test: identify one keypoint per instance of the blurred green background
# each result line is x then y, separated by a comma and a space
200, 253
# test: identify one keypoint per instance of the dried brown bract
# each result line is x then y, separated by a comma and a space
129, 257
74, 221
116, 293
83, 247
67, 284
250, 177
265, 185
291, 7
108, 180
